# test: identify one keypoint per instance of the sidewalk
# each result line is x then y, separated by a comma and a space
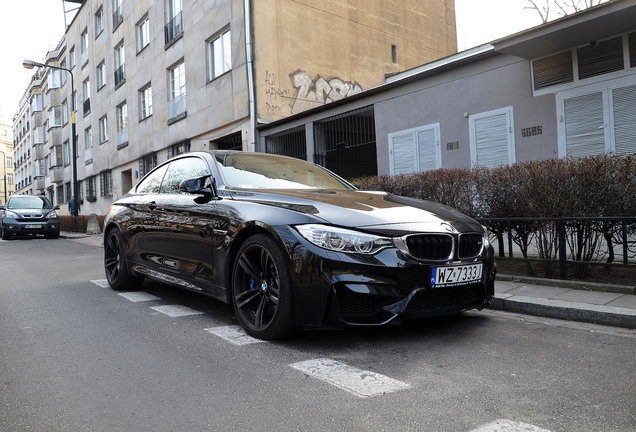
612, 305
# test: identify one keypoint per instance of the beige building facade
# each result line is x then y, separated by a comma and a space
155, 78
7, 179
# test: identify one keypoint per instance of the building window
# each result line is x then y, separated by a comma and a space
492, 141
9, 178
88, 138
9, 162
220, 55
118, 14
67, 188
64, 107
394, 54
63, 76
147, 163
106, 183
67, 153
174, 20
120, 64
145, 102
36, 102
71, 57
122, 125
55, 117
415, 150
60, 194
86, 86
84, 47
90, 189
101, 75
143, 34
179, 148
54, 78
99, 22
103, 130
177, 102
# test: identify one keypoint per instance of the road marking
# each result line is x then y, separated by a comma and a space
234, 334
101, 282
359, 382
508, 426
139, 296
176, 311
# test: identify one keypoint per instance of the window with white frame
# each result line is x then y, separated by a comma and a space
177, 102
120, 61
101, 75
103, 130
492, 141
36, 102
71, 57
54, 78
91, 192
415, 150
143, 33
122, 124
84, 47
174, 20
64, 109
86, 87
106, 183
145, 101
118, 14
67, 153
597, 119
55, 117
88, 138
64, 72
220, 55
99, 22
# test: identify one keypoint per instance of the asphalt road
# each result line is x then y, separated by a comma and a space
76, 356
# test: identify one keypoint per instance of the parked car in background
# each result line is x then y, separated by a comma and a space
292, 246
28, 215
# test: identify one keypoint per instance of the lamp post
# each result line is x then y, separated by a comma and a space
4, 177
30, 64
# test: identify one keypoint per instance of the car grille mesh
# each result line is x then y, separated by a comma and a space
430, 246
443, 300
470, 245
354, 304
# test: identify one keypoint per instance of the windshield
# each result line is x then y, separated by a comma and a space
265, 171
29, 203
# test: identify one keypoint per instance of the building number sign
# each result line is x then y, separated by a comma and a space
531, 131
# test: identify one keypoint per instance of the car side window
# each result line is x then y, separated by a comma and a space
152, 183
180, 170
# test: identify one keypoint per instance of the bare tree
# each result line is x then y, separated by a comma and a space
564, 7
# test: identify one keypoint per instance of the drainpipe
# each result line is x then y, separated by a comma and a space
250, 72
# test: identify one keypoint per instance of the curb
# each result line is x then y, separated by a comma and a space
617, 289
603, 315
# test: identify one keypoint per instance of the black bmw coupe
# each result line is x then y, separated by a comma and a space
293, 246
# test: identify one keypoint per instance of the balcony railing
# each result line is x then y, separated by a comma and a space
174, 28
120, 75
122, 136
87, 106
177, 106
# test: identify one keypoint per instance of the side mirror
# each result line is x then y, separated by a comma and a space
1, 207
57, 207
197, 186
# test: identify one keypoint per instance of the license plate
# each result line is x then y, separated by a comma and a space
33, 226
456, 275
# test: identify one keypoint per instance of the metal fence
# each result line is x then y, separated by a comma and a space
557, 243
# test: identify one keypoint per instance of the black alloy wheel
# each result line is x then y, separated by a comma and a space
262, 290
115, 263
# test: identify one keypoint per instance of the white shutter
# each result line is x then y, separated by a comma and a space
403, 153
426, 142
624, 108
491, 140
584, 125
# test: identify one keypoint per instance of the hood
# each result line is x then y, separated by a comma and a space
377, 211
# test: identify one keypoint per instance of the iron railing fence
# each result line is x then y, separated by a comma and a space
582, 242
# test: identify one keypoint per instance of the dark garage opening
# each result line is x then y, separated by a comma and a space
292, 142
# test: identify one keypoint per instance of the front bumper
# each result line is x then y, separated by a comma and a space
20, 228
338, 289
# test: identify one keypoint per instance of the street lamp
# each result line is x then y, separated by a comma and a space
4, 177
30, 64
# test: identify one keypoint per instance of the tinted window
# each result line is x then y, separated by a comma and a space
152, 182
29, 203
180, 170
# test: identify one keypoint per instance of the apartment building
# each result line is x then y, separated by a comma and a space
6, 150
155, 78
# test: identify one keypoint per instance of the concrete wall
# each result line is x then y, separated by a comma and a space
309, 52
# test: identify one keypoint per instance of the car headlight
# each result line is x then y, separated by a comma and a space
486, 236
10, 214
52, 215
343, 240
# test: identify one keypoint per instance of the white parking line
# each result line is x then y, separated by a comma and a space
176, 311
508, 426
359, 382
139, 296
101, 282
234, 334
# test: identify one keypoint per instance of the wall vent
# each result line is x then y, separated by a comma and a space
553, 70
601, 58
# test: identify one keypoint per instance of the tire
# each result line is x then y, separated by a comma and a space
115, 263
5, 236
262, 291
55, 236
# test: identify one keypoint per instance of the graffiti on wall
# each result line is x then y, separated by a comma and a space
307, 93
